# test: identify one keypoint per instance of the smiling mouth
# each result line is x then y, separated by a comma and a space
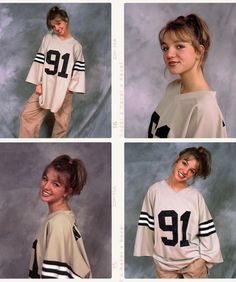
181, 175
172, 63
46, 194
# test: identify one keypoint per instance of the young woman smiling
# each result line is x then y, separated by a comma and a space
175, 226
189, 108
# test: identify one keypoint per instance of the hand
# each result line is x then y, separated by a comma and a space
69, 92
38, 89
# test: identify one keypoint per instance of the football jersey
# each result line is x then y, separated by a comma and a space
189, 115
58, 251
176, 228
58, 66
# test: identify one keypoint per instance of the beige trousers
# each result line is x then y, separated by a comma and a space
33, 115
197, 269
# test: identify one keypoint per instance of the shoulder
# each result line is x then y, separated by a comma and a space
156, 187
175, 84
206, 104
197, 194
61, 220
48, 36
76, 43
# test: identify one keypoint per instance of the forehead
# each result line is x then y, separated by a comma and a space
175, 36
56, 21
192, 162
52, 174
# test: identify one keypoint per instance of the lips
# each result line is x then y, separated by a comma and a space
46, 193
181, 175
173, 63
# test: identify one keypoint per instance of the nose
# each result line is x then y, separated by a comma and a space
46, 185
170, 53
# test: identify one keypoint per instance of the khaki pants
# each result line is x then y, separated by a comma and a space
197, 269
33, 115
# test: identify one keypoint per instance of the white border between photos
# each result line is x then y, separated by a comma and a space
117, 140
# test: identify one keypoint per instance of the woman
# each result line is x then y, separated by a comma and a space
189, 108
58, 251
58, 70
175, 226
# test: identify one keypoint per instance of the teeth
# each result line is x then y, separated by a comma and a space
44, 193
181, 175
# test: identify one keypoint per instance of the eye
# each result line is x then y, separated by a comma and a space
164, 48
180, 46
56, 184
184, 163
44, 178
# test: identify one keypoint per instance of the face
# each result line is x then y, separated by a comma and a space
179, 56
185, 169
52, 188
60, 27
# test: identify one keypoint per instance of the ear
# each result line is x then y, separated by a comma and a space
68, 192
201, 51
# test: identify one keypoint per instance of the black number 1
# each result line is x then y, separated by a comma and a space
173, 227
53, 58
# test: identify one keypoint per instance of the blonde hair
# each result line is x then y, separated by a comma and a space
190, 27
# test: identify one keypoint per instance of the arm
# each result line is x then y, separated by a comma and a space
208, 239
77, 83
144, 242
36, 71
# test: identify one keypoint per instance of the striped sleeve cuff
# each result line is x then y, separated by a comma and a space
206, 228
79, 66
57, 269
146, 219
39, 58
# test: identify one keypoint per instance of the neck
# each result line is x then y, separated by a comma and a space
54, 207
65, 36
193, 81
176, 185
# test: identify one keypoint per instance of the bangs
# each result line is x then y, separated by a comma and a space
61, 176
176, 34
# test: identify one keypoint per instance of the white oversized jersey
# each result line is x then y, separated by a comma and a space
58, 251
189, 115
58, 66
176, 228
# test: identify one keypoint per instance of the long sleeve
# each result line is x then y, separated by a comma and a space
144, 243
35, 74
77, 83
209, 241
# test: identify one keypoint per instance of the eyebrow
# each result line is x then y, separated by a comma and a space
195, 170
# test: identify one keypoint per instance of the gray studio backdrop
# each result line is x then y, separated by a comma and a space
146, 164
145, 81
22, 27
21, 210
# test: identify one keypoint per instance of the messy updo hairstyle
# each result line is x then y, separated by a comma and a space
202, 156
71, 171
56, 13
190, 28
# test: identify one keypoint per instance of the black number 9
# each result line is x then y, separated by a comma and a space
54, 62
173, 227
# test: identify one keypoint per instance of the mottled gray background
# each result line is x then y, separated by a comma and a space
145, 81
146, 164
21, 211
22, 27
